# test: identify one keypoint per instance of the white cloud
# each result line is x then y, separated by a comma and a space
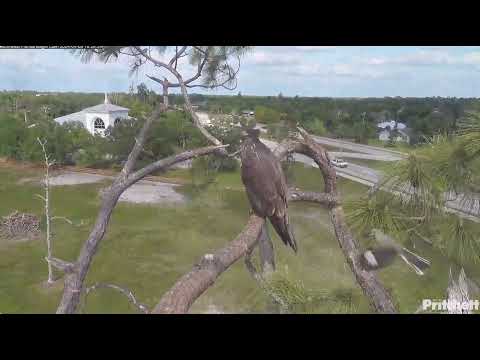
472, 58
270, 59
418, 58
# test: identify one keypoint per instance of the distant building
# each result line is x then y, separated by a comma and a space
248, 113
46, 94
98, 118
386, 128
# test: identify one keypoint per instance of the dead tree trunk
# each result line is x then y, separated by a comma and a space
46, 199
165, 85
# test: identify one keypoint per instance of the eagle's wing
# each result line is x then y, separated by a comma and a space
257, 176
278, 179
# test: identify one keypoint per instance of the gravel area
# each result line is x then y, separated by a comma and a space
143, 192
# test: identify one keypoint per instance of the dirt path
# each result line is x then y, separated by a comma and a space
144, 191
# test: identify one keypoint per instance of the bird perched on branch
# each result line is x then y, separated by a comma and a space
384, 255
266, 185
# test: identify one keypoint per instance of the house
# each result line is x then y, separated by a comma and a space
386, 128
248, 113
98, 118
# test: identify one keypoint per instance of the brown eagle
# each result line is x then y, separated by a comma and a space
266, 185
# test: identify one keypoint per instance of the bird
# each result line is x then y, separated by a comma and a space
265, 185
385, 254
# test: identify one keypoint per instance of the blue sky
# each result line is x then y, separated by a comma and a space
337, 71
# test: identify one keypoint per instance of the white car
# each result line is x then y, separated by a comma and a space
339, 163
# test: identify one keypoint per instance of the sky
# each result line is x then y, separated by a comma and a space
323, 71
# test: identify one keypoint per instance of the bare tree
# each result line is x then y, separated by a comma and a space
215, 72
46, 199
213, 67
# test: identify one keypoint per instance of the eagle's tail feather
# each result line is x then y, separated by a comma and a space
284, 230
416, 262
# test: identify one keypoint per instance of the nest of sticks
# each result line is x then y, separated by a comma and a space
19, 225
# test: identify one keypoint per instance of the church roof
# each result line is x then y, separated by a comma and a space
104, 108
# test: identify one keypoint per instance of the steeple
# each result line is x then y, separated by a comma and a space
106, 99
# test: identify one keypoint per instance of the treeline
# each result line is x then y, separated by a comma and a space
25, 117
349, 117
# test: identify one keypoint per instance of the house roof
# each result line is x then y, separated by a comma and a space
391, 124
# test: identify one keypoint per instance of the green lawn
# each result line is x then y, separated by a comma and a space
147, 248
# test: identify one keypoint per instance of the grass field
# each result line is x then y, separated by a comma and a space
147, 248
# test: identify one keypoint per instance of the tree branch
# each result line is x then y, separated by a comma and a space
74, 281
188, 105
169, 161
378, 296
190, 286
178, 53
326, 199
129, 294
65, 266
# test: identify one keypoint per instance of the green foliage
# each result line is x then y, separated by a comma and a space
228, 130
376, 212
266, 115
292, 296
12, 131
279, 131
445, 167
316, 127
461, 242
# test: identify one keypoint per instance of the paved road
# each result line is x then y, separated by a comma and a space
370, 177
366, 175
382, 154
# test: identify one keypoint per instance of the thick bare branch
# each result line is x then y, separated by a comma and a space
326, 199
169, 161
140, 142
190, 286
178, 54
368, 281
376, 293
65, 266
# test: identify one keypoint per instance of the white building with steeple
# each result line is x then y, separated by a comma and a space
98, 118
